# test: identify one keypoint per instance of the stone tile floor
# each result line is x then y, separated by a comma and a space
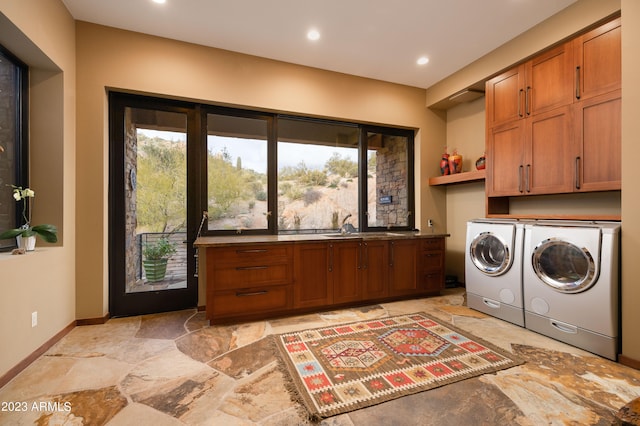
175, 369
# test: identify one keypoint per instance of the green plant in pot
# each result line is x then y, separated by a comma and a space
155, 257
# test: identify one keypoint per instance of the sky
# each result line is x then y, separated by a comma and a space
253, 152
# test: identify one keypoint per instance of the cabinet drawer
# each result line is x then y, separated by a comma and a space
250, 301
433, 281
241, 255
251, 275
432, 261
433, 244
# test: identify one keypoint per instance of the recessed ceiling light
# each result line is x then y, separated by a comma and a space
313, 35
160, 1
423, 60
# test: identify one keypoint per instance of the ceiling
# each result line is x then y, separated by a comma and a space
380, 39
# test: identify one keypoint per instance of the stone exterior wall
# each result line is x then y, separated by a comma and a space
391, 180
132, 241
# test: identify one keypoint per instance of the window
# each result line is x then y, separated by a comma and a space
318, 175
285, 174
13, 140
237, 178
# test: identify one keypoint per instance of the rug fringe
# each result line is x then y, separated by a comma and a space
289, 384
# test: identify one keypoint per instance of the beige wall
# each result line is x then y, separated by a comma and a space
630, 188
110, 58
42, 34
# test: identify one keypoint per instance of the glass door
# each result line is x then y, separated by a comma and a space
151, 258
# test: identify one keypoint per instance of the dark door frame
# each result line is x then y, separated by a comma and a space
122, 303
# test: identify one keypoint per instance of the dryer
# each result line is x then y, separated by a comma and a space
493, 268
571, 283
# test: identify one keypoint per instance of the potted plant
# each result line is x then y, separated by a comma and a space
155, 256
26, 234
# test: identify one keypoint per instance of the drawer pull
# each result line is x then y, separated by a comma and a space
251, 251
250, 268
252, 293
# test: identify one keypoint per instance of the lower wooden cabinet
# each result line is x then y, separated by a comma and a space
259, 281
374, 274
432, 260
311, 275
403, 267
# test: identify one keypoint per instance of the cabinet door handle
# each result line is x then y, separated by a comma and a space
251, 251
527, 101
391, 254
577, 172
251, 293
577, 82
250, 268
360, 256
366, 256
528, 178
520, 171
520, 103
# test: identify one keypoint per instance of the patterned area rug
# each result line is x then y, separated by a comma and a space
342, 368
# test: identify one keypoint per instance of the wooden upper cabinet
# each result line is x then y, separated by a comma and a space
538, 85
549, 80
549, 153
533, 156
504, 97
598, 131
505, 159
598, 60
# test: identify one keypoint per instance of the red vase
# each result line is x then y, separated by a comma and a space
444, 164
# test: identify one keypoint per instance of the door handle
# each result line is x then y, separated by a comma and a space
578, 82
520, 171
528, 178
565, 328
527, 101
520, 103
250, 268
490, 303
577, 172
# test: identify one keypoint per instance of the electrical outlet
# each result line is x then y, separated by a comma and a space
430, 223
34, 318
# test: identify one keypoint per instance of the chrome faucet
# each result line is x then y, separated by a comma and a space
346, 228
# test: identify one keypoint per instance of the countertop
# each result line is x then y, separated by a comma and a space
221, 241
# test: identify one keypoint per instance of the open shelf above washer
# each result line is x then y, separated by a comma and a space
464, 177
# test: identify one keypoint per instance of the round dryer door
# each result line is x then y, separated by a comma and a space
490, 254
563, 266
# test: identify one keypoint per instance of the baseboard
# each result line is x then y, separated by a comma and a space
9, 375
629, 362
93, 321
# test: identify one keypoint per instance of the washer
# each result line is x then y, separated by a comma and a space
571, 283
493, 268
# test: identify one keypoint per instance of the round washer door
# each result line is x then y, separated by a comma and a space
490, 254
564, 266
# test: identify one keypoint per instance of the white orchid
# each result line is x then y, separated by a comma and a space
47, 232
19, 193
